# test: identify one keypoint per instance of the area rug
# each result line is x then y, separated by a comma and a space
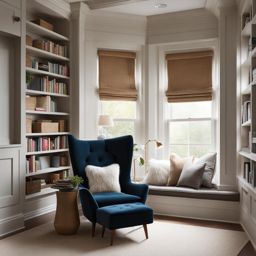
165, 238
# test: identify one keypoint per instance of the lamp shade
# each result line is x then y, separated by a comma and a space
105, 120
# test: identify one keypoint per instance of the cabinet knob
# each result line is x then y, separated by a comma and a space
16, 18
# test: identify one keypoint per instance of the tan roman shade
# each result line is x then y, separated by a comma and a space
189, 76
117, 75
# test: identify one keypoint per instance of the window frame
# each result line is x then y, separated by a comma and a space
163, 108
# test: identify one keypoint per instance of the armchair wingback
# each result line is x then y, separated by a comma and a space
102, 153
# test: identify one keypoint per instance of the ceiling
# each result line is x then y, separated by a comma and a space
147, 8
144, 7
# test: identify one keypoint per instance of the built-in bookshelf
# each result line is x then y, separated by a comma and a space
47, 102
247, 81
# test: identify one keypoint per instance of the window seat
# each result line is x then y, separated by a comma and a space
202, 193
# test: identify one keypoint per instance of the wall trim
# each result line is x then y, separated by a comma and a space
214, 210
39, 212
11, 224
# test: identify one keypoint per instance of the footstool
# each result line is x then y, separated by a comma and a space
124, 215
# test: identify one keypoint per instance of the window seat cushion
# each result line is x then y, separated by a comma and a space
201, 193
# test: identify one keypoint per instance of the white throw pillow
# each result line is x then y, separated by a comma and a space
158, 172
103, 179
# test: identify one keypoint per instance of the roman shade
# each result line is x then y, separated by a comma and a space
117, 75
189, 76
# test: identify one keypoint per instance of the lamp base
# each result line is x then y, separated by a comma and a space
101, 137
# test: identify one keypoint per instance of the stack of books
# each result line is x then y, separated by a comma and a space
63, 185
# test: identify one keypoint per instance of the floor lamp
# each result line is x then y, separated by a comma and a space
158, 144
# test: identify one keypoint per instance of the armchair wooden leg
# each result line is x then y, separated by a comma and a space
93, 229
103, 231
145, 230
113, 232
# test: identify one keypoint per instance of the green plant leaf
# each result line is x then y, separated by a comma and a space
141, 161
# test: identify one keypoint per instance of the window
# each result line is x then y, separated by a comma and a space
117, 91
191, 128
123, 114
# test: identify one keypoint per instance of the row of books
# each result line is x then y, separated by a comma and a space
46, 84
36, 163
246, 111
50, 46
50, 67
46, 103
249, 173
46, 143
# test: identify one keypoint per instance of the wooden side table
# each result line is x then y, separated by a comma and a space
67, 219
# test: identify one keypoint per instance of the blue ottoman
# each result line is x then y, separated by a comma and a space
123, 216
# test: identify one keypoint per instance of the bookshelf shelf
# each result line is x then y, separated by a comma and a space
247, 123
46, 113
247, 185
248, 89
41, 72
46, 152
36, 29
44, 191
46, 134
34, 92
45, 54
48, 170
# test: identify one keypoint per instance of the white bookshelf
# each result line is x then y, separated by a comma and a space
46, 73
47, 152
42, 93
247, 153
31, 112
44, 54
36, 29
47, 170
38, 32
46, 134
43, 192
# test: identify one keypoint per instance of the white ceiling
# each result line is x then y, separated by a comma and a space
147, 8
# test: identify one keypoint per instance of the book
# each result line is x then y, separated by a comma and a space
44, 162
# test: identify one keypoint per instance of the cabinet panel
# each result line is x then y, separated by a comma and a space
253, 214
14, 3
7, 22
9, 172
245, 200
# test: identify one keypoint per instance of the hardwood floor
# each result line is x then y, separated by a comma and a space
248, 250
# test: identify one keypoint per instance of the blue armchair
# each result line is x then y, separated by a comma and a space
102, 153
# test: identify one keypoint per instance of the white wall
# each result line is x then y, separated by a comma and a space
108, 31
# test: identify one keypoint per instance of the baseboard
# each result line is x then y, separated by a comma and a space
40, 212
213, 210
249, 236
11, 225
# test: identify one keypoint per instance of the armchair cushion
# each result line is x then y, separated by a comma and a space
103, 179
110, 198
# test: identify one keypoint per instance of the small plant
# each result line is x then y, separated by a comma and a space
76, 181
29, 78
137, 156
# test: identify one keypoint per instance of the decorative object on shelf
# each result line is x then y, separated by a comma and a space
158, 145
137, 157
104, 121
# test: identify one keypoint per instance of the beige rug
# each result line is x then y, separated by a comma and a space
165, 238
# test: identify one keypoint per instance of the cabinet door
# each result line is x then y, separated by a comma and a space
8, 24
245, 200
9, 171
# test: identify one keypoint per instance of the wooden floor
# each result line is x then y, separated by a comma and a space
248, 249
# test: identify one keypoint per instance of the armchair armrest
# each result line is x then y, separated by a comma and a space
140, 190
89, 204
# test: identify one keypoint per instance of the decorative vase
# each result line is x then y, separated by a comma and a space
67, 217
